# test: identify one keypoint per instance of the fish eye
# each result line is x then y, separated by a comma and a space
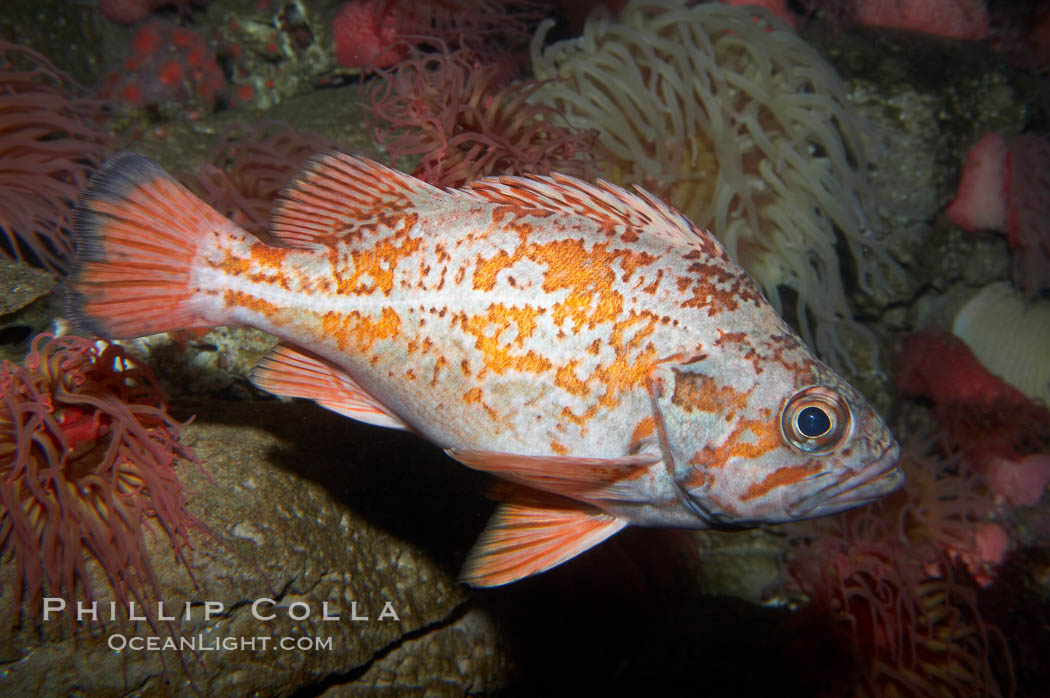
815, 420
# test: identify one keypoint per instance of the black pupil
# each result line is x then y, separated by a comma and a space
813, 422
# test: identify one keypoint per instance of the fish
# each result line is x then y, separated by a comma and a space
589, 346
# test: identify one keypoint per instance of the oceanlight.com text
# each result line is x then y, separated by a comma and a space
202, 643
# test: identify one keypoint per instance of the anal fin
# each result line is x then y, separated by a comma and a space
531, 534
291, 372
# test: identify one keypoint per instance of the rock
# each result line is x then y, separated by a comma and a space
316, 513
25, 306
21, 284
464, 657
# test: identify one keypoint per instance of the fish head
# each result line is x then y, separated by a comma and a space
750, 443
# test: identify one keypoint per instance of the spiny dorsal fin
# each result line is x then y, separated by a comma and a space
291, 372
336, 194
603, 200
532, 534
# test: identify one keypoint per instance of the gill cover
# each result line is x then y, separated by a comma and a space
693, 412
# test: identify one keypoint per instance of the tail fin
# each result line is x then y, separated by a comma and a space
137, 234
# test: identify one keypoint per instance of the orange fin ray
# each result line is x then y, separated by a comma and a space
569, 476
137, 233
336, 194
603, 201
291, 372
522, 539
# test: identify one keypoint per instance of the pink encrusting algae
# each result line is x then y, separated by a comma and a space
87, 463
51, 139
981, 413
936, 364
778, 7
980, 201
379, 33
135, 11
1021, 481
1005, 186
1028, 230
126, 11
367, 33
957, 19
167, 67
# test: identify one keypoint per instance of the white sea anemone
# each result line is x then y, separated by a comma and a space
729, 115
1010, 337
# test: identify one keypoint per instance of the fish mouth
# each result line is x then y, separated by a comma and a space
877, 479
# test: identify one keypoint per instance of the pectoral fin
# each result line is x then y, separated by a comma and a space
530, 536
293, 373
577, 478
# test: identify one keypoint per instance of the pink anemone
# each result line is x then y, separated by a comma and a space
466, 122
87, 463
51, 139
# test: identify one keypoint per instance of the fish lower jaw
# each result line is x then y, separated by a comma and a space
875, 481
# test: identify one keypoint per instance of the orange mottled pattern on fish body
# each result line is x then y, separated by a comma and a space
588, 344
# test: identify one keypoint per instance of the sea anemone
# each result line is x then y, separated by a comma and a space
87, 463
1009, 335
460, 115
942, 507
51, 139
896, 581
907, 634
726, 113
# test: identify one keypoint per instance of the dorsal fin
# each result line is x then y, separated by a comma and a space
603, 200
291, 372
336, 194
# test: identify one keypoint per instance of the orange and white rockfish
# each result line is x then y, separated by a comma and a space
589, 345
